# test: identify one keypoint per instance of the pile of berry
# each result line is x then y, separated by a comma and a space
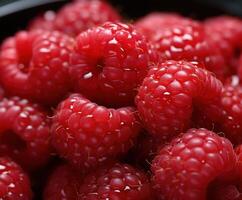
95, 108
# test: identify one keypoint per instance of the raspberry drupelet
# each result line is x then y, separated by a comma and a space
109, 63
184, 168
24, 132
14, 183
76, 17
34, 65
166, 98
88, 135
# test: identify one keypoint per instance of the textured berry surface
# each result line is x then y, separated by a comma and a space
225, 33
117, 181
76, 17
225, 115
63, 184
187, 41
109, 63
14, 183
184, 168
34, 65
24, 132
160, 20
168, 94
87, 134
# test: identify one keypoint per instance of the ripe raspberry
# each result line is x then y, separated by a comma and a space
78, 16
225, 115
187, 41
184, 168
109, 63
240, 68
155, 21
25, 133
225, 33
63, 184
15, 183
34, 65
165, 99
117, 181
87, 134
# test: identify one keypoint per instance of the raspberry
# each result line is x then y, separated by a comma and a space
14, 183
77, 16
228, 186
117, 181
34, 65
109, 63
25, 132
155, 21
184, 168
87, 134
168, 94
112, 181
225, 33
225, 115
187, 41
63, 184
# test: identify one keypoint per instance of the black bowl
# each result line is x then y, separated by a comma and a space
15, 17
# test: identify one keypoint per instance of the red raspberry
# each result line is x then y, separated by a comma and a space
155, 21
87, 134
112, 181
165, 99
184, 168
14, 183
63, 184
229, 185
225, 33
34, 65
224, 115
109, 63
25, 132
187, 41
117, 181
78, 16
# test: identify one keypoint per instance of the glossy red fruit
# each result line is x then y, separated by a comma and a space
24, 132
184, 168
76, 17
109, 63
225, 115
225, 33
166, 98
116, 181
34, 65
14, 183
88, 135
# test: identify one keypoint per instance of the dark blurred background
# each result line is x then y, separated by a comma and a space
131, 9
